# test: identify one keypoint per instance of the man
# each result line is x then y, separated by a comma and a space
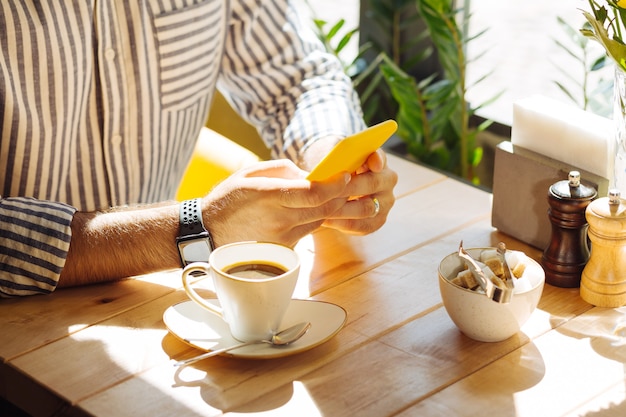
101, 103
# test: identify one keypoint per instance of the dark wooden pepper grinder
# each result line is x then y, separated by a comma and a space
568, 252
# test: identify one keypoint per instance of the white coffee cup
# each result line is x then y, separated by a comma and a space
253, 300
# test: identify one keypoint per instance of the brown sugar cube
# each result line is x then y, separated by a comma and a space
519, 269
496, 266
458, 282
468, 279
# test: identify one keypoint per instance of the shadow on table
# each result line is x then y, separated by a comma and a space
9, 410
615, 410
472, 375
606, 331
232, 384
224, 398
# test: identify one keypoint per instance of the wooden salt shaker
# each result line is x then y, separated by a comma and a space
603, 282
568, 252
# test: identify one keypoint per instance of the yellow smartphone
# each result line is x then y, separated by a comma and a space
352, 152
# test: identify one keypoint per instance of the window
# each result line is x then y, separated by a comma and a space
523, 53
521, 47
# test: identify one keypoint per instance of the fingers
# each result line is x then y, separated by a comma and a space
368, 212
260, 219
362, 216
316, 193
376, 162
363, 208
259, 203
371, 182
284, 181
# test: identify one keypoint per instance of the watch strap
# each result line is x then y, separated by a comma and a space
192, 229
191, 218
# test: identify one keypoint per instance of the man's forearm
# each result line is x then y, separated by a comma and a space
121, 243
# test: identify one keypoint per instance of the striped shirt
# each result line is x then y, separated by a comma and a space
101, 102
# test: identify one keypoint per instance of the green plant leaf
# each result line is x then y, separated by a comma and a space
616, 50
566, 91
345, 40
336, 28
598, 64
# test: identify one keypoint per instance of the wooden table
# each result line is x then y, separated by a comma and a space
104, 349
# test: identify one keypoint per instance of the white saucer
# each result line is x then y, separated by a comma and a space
206, 331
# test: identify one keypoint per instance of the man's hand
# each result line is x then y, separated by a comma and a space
272, 201
370, 192
371, 198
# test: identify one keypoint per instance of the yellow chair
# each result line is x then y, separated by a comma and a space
225, 121
216, 156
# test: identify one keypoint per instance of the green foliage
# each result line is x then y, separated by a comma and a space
433, 113
393, 32
328, 39
431, 109
606, 24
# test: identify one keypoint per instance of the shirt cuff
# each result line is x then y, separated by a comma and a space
36, 237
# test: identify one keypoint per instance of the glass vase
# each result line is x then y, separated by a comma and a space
619, 144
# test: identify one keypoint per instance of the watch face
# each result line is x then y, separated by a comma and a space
195, 251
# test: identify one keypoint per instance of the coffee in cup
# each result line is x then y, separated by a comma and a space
254, 283
255, 269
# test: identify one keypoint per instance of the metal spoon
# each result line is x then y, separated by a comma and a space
284, 337
492, 291
508, 275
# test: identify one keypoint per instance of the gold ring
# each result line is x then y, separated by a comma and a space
376, 206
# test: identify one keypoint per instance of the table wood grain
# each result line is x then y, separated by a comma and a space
104, 350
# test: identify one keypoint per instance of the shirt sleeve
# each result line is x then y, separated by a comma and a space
34, 241
277, 74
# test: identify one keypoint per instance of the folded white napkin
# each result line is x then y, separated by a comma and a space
564, 132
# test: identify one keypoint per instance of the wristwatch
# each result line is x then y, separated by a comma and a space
194, 242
